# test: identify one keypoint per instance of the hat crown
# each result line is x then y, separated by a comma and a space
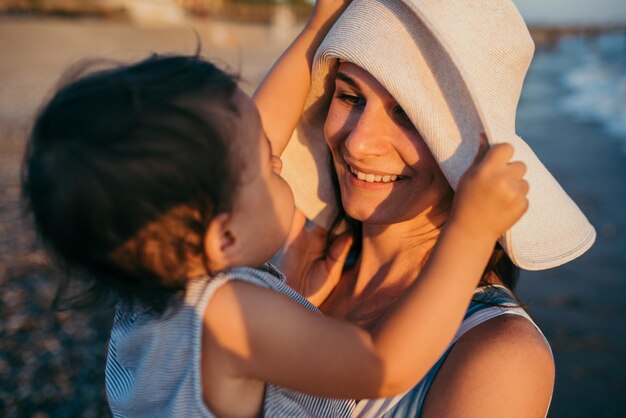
491, 46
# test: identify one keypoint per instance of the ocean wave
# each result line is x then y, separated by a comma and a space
596, 82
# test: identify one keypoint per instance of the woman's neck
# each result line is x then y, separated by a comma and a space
395, 253
390, 260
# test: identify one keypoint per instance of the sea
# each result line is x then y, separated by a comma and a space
593, 74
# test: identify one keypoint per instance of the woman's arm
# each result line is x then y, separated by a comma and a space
280, 96
501, 368
270, 338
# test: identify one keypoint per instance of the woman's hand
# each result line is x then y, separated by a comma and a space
309, 269
491, 195
325, 12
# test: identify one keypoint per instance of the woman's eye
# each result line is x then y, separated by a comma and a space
402, 116
350, 99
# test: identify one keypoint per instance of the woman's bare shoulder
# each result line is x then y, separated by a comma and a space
501, 368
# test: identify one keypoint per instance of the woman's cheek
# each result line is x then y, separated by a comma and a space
334, 124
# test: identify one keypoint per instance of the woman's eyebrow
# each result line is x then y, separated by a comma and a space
345, 78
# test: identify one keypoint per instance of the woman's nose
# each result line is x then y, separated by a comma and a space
369, 134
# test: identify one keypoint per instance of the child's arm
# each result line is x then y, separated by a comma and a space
270, 338
280, 96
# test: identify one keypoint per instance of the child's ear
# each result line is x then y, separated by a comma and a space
219, 243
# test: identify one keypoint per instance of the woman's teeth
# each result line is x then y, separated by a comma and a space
374, 178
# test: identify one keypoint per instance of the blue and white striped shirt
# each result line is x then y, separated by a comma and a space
153, 366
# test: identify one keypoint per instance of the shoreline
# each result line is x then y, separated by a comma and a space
580, 306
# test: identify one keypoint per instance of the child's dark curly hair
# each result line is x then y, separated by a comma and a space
124, 169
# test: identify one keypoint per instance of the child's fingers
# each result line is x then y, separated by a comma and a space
524, 187
483, 148
499, 154
517, 168
492, 155
277, 164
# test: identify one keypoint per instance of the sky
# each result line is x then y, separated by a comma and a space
572, 11
585, 12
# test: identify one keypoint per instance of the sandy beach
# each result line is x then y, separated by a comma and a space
51, 364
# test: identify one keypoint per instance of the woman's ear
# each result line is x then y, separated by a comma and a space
219, 243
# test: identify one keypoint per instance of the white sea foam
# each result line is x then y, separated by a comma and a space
596, 82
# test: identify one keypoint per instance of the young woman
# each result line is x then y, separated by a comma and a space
399, 92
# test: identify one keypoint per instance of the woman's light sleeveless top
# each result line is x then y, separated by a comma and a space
410, 403
153, 365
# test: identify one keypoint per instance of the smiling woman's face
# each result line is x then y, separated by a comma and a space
386, 172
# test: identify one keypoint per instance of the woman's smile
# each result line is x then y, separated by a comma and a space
370, 178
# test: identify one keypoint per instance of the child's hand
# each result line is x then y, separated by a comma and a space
491, 195
309, 269
327, 11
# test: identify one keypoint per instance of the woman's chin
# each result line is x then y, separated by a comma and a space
369, 214
359, 215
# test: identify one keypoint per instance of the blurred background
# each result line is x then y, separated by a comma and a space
572, 112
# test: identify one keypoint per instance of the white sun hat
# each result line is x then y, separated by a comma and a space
457, 68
